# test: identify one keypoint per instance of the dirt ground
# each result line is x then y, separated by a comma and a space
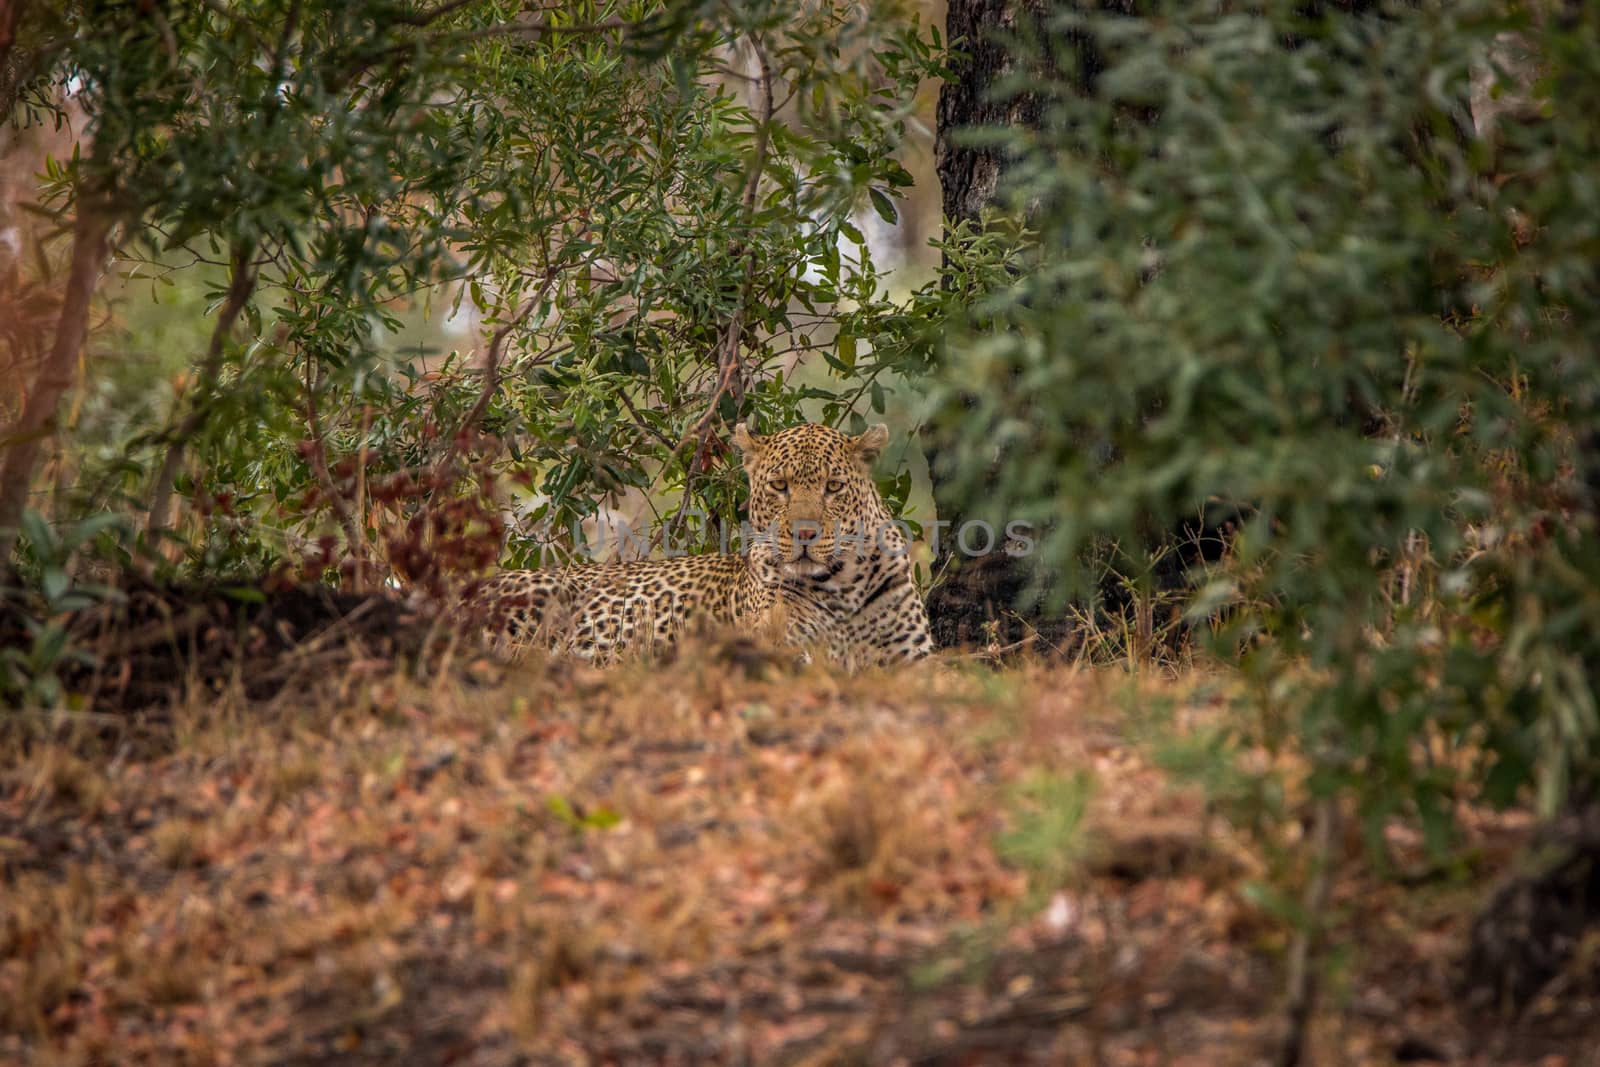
438, 860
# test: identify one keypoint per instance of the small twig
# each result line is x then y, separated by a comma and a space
58, 717
312, 643
639, 421
728, 72
990, 653
319, 465
701, 434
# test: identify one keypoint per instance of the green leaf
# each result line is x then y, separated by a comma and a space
39, 535
87, 529
562, 809
884, 206
54, 583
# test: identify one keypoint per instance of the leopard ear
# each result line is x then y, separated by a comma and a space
745, 441
752, 445
869, 443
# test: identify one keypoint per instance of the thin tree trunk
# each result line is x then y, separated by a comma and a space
37, 424
1304, 951
241, 285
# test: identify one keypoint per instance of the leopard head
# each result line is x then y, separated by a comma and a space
813, 503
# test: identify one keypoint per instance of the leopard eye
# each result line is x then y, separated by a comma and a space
834, 485
779, 485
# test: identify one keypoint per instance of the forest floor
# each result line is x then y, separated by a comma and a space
714, 860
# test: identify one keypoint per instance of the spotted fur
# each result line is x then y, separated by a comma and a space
827, 569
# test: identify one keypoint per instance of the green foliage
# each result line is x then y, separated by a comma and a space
30, 669
1275, 276
650, 207
1046, 838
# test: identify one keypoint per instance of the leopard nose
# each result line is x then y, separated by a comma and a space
807, 531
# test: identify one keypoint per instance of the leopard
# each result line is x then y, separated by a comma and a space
824, 568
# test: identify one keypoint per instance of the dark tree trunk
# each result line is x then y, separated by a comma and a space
973, 601
970, 177
976, 600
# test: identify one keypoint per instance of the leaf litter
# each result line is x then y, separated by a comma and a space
713, 859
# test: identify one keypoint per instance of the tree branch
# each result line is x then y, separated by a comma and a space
281, 53
531, 29
241, 285
491, 369
428, 16
431, 14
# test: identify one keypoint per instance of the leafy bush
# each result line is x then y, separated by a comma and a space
650, 205
34, 641
1281, 277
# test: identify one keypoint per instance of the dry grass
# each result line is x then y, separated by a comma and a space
715, 859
